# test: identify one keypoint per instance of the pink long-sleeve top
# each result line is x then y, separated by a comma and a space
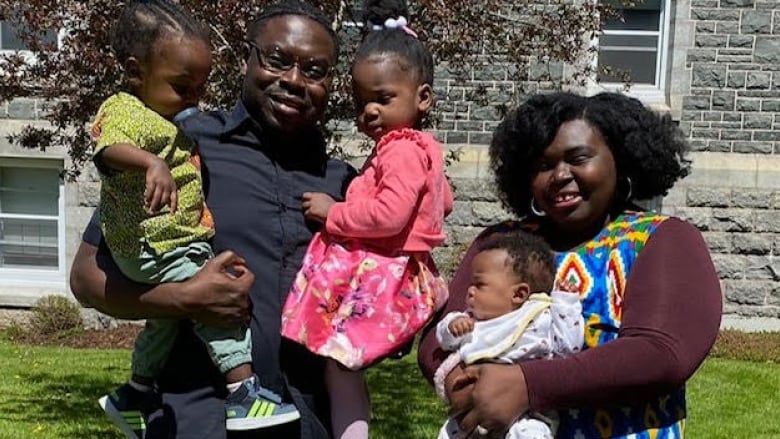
400, 198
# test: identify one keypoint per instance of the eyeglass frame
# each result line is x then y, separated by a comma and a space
281, 70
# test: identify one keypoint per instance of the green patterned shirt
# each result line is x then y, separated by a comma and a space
126, 224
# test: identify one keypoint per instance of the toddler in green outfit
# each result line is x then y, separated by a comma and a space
152, 210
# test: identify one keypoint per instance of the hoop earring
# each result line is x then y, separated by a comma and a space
630, 189
535, 210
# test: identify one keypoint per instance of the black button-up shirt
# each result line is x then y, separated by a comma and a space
254, 190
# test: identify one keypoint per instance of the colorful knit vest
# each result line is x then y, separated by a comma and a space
600, 268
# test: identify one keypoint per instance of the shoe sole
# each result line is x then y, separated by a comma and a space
116, 417
242, 424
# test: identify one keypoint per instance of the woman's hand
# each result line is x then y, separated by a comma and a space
218, 295
498, 397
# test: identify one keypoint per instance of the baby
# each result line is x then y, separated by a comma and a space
511, 317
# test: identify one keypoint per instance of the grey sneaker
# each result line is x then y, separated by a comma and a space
129, 409
252, 407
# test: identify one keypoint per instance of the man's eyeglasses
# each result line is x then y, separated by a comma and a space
276, 61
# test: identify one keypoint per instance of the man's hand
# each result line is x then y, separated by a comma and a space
160, 187
316, 205
461, 326
218, 295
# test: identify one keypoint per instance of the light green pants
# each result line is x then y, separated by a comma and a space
228, 348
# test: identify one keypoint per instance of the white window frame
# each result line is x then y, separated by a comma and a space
29, 56
32, 277
655, 95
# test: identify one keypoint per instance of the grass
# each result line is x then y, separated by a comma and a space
50, 392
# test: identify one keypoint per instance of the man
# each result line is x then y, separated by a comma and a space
257, 162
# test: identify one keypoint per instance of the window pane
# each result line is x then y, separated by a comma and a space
29, 191
10, 41
634, 20
634, 41
639, 65
27, 243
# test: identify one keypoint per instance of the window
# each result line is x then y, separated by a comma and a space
31, 221
9, 40
635, 43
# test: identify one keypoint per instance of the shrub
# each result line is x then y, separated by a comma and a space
54, 314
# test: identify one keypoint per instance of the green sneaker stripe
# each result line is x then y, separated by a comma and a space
253, 411
269, 410
263, 407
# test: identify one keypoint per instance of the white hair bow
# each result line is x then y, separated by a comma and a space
396, 23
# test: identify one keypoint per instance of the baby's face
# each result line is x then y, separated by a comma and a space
493, 285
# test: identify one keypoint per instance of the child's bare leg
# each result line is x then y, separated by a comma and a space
239, 373
350, 407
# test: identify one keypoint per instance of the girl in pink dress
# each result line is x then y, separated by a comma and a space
368, 283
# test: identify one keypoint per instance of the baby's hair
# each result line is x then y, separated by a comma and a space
141, 23
395, 41
292, 7
529, 256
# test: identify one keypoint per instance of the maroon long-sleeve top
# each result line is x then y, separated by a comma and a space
671, 314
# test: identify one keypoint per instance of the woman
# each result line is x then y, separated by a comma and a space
570, 166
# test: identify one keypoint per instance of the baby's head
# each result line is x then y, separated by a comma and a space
165, 54
508, 268
392, 75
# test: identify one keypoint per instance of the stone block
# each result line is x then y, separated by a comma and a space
756, 22
705, 134
741, 41
753, 147
488, 213
723, 100
718, 242
732, 117
705, 27
748, 105
719, 146
462, 214
736, 3
736, 79
767, 221
735, 135
766, 136
714, 14
776, 245
731, 59
701, 55
687, 115
485, 113
732, 220
727, 27
767, 50
744, 292
708, 197
480, 138
753, 198
701, 217
726, 126
758, 80
696, 102
709, 75
752, 243
457, 137
758, 121
761, 268
712, 116
88, 194
770, 105
473, 189
729, 266
711, 40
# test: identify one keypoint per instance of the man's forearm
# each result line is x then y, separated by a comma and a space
96, 282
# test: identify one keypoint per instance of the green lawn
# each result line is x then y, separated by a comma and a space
48, 392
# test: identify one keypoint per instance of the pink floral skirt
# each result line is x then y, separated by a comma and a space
358, 306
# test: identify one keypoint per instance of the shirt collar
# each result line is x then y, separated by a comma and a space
237, 118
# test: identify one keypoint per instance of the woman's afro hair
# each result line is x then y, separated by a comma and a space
649, 148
